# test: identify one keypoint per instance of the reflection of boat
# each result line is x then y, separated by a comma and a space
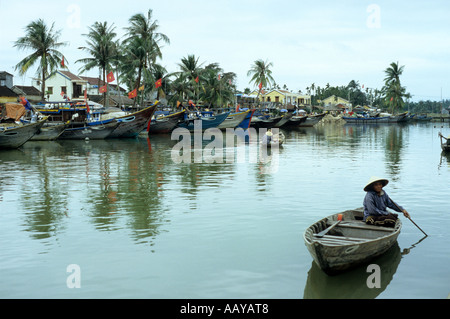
203, 122
131, 125
445, 142
14, 135
91, 130
233, 120
165, 123
352, 284
349, 242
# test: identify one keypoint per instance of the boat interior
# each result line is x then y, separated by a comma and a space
350, 230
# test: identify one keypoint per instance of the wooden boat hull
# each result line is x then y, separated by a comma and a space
132, 124
205, 122
366, 120
284, 120
312, 120
93, 131
16, 136
165, 124
265, 123
245, 124
295, 121
349, 244
49, 132
233, 120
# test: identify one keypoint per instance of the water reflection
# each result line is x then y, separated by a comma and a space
352, 284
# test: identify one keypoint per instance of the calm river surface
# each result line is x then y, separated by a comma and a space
124, 220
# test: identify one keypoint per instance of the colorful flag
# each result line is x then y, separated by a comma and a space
196, 79
132, 94
110, 77
62, 62
219, 77
25, 103
260, 85
102, 89
178, 103
142, 88
85, 101
392, 98
158, 83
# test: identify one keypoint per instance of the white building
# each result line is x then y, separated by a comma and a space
61, 85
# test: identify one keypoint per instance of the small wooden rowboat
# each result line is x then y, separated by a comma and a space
337, 246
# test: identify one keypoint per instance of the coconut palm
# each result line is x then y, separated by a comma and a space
394, 92
144, 28
190, 71
261, 74
44, 42
102, 49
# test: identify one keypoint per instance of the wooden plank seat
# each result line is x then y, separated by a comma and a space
363, 225
340, 240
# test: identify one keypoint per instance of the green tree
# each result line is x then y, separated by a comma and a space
44, 42
261, 75
393, 90
102, 49
145, 42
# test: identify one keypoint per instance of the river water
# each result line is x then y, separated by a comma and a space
124, 219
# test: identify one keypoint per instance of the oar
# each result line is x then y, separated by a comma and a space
323, 232
409, 218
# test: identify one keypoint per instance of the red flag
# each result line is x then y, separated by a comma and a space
132, 94
62, 62
196, 79
392, 98
219, 77
158, 83
260, 85
102, 89
85, 101
110, 77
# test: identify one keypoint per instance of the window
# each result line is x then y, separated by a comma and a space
50, 90
64, 89
2, 83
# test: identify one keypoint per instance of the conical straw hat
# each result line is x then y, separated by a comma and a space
374, 179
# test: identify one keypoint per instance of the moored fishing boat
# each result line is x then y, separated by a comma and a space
295, 121
13, 135
338, 245
366, 120
165, 123
245, 124
233, 120
130, 125
49, 132
312, 120
203, 122
89, 130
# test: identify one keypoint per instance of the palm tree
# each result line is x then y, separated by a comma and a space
145, 29
261, 74
394, 92
190, 70
44, 43
102, 49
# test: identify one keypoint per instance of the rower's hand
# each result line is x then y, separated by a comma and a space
405, 213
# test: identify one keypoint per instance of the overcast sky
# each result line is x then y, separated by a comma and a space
308, 42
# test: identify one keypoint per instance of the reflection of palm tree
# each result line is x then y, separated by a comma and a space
44, 43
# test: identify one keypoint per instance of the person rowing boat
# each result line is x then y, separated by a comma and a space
376, 203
